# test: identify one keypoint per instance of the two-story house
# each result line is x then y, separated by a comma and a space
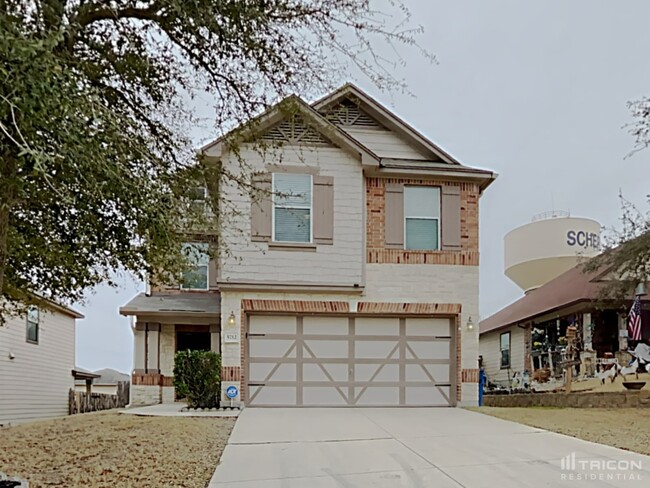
349, 278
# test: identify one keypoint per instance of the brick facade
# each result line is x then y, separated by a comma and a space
376, 226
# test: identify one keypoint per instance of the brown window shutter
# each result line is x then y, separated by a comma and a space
450, 225
323, 209
261, 208
394, 215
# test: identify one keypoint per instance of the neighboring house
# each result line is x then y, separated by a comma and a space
530, 333
37, 357
348, 279
105, 382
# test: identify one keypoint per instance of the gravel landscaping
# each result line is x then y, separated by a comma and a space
106, 449
625, 428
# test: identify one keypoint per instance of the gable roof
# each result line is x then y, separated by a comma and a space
440, 163
386, 117
573, 286
297, 106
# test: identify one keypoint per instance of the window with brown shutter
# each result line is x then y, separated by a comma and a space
261, 208
323, 209
394, 215
450, 231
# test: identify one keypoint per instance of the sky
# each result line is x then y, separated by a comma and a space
536, 91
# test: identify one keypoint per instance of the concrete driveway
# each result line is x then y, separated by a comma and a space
412, 447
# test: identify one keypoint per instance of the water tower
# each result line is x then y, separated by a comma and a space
551, 244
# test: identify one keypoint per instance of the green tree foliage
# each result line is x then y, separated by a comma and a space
625, 260
96, 159
197, 377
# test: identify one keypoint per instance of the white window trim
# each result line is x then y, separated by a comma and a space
207, 274
509, 349
310, 207
438, 219
38, 326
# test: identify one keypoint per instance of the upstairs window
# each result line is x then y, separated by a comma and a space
33, 319
198, 196
195, 277
422, 218
292, 207
504, 342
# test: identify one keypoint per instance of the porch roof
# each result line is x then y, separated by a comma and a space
200, 304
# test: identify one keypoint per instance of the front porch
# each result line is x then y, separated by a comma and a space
164, 325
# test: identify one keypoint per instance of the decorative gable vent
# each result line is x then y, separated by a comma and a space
348, 113
294, 130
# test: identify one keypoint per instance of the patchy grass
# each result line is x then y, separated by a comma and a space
625, 428
107, 449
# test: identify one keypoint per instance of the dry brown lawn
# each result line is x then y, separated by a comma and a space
625, 428
107, 449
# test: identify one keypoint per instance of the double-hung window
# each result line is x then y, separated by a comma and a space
422, 218
504, 344
33, 319
195, 277
198, 196
292, 207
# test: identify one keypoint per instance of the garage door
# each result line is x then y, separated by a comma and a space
349, 361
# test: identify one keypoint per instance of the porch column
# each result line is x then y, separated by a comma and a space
139, 348
215, 338
153, 348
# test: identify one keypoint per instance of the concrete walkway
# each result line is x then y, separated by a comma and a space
406, 447
175, 410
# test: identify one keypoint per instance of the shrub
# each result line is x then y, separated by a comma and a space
197, 378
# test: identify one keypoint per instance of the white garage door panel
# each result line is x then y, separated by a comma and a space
344, 361
323, 372
272, 348
428, 327
281, 372
325, 325
324, 395
277, 325
370, 326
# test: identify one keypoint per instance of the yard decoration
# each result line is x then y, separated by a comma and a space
197, 378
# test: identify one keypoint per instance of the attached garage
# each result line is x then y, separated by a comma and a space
318, 360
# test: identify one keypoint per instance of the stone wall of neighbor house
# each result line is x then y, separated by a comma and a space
631, 399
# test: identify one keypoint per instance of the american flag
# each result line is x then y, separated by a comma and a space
634, 321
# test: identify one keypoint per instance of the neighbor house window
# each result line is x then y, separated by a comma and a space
505, 349
292, 207
422, 218
195, 277
33, 317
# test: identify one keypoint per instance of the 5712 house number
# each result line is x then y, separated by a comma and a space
231, 337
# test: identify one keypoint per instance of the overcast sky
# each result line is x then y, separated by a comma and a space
534, 90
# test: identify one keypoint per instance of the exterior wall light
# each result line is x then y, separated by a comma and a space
470, 324
231, 319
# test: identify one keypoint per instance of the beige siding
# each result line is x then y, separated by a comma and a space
35, 383
340, 263
489, 348
385, 144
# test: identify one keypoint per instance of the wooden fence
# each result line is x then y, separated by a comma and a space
82, 402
